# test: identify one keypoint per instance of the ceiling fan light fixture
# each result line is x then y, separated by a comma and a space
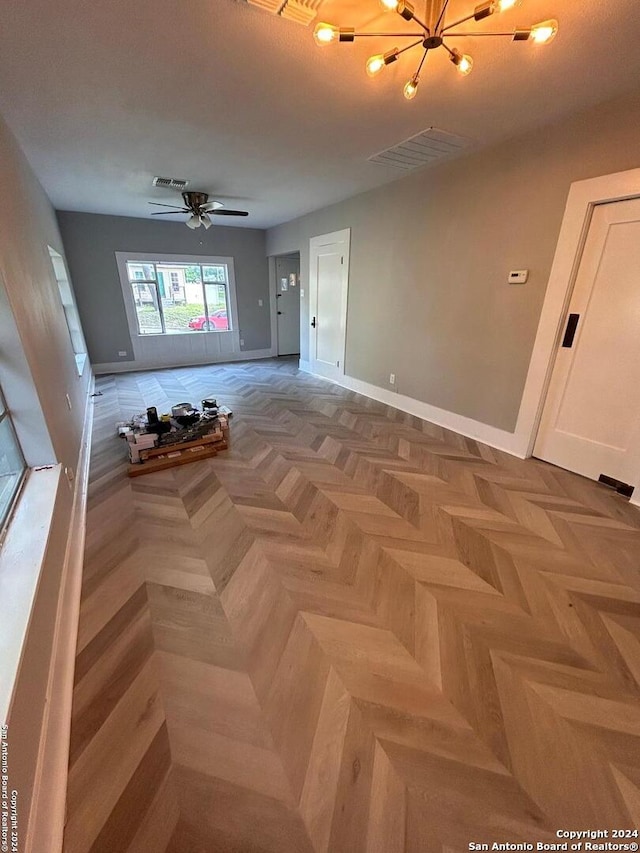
389, 5
193, 222
204, 219
504, 5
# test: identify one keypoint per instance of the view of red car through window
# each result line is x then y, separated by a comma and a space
217, 321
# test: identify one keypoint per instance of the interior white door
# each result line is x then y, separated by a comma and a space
328, 290
288, 304
591, 418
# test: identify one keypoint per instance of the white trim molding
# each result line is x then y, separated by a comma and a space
181, 350
498, 438
45, 827
134, 366
583, 197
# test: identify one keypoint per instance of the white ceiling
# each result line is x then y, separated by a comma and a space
104, 95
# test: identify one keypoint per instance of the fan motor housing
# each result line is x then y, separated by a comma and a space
194, 200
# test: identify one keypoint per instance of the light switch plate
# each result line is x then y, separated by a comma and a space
518, 276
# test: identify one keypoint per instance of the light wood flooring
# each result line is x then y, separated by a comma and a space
354, 631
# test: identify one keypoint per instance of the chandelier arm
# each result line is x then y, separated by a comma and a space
422, 24
474, 35
409, 46
442, 14
457, 23
391, 35
424, 56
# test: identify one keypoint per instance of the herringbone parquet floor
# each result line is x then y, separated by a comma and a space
355, 631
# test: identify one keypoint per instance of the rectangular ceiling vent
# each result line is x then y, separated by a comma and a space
422, 149
171, 183
301, 11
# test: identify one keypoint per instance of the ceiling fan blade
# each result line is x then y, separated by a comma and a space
169, 212
211, 205
159, 204
229, 212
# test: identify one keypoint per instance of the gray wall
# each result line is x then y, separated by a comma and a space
430, 255
91, 241
37, 370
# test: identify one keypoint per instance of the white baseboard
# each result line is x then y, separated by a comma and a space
47, 817
499, 439
134, 366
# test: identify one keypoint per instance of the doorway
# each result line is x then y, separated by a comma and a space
288, 304
328, 290
591, 417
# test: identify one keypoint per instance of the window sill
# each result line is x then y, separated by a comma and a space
21, 559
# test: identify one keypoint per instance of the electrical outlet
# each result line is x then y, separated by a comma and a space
392, 379
302, 292
68, 399
241, 342
122, 352
260, 302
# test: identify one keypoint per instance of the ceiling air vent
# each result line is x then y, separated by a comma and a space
422, 149
301, 11
171, 183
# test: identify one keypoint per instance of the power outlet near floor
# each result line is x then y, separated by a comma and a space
122, 353
392, 379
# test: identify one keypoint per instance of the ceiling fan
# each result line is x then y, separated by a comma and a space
201, 209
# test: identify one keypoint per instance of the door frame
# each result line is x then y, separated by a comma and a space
343, 236
583, 197
273, 302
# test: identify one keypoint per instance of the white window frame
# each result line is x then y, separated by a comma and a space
68, 301
162, 350
123, 258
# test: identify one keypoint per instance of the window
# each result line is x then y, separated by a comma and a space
179, 298
70, 309
12, 464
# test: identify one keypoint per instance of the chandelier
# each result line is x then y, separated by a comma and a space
434, 32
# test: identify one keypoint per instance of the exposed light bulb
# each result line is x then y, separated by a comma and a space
463, 62
389, 5
411, 88
375, 64
545, 32
465, 65
325, 34
503, 5
193, 222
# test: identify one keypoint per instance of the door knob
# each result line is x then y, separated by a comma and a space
313, 323
279, 312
